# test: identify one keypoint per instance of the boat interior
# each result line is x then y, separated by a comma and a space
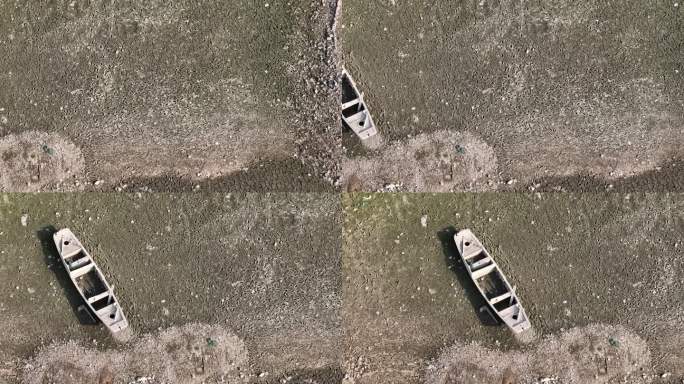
354, 112
90, 282
491, 282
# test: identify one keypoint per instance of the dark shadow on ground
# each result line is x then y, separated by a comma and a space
669, 178
53, 262
453, 261
325, 375
266, 176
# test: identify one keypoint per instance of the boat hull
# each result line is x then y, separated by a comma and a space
89, 281
355, 112
491, 281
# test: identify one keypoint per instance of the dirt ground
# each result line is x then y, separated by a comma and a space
243, 96
119, 92
566, 95
258, 274
303, 288
598, 274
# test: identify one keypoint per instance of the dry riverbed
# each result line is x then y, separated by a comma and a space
241, 288
106, 94
509, 94
600, 276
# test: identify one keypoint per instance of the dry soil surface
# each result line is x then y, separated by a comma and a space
171, 94
580, 95
210, 284
600, 276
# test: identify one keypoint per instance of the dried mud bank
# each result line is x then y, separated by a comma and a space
595, 354
314, 73
558, 91
439, 162
34, 161
159, 90
193, 353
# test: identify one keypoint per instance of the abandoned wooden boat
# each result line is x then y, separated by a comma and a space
89, 281
491, 282
354, 110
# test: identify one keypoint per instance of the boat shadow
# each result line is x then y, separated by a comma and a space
454, 263
53, 262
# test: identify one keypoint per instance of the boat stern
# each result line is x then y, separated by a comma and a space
517, 321
113, 318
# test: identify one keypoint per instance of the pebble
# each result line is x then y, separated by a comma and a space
423, 221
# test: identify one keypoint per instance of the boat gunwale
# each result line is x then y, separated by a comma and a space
363, 107
501, 275
59, 243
